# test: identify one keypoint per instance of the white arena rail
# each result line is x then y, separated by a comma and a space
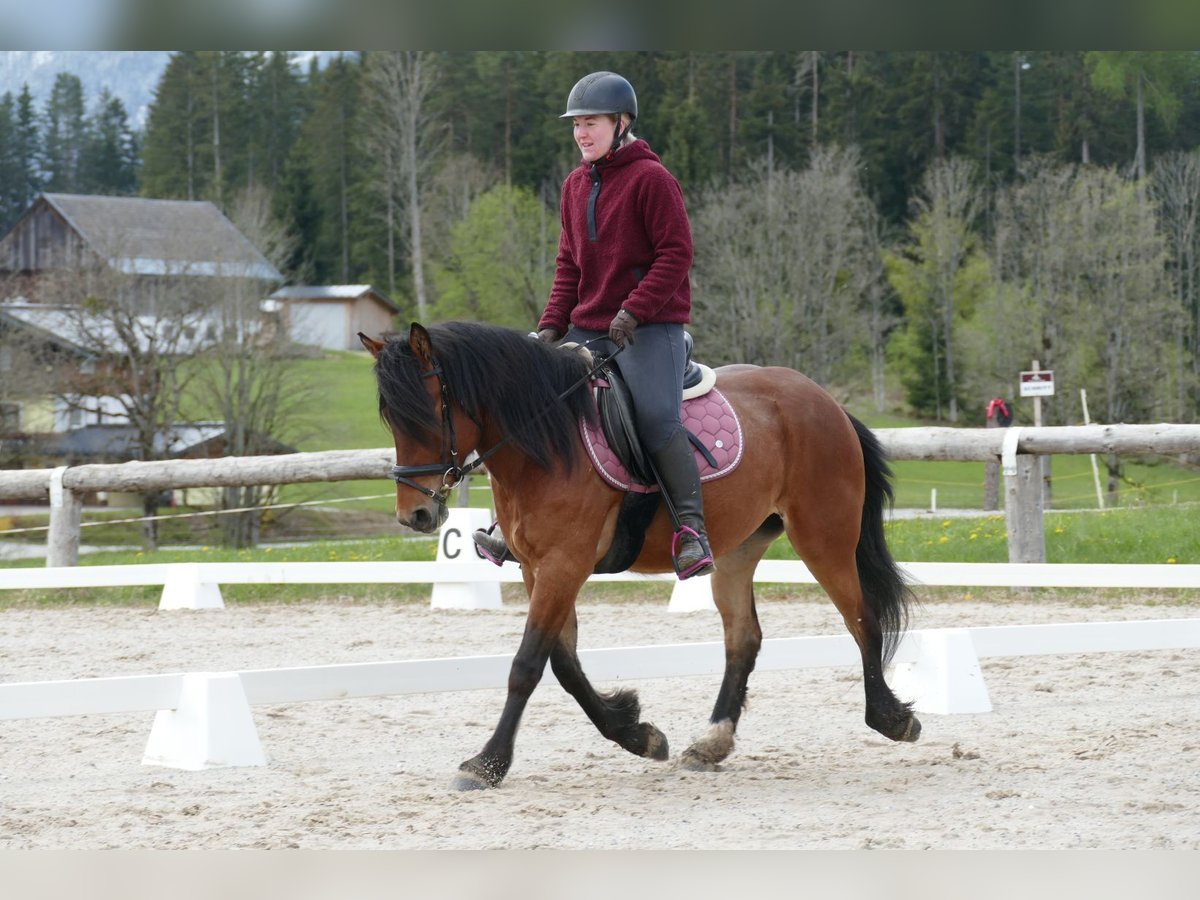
472, 585
203, 720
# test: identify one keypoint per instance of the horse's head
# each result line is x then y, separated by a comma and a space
414, 403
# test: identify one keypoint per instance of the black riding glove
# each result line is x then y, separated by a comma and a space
621, 328
548, 335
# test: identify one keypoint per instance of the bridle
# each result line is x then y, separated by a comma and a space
451, 470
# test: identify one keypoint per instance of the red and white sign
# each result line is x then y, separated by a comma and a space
1037, 384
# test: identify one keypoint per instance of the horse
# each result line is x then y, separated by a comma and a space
810, 471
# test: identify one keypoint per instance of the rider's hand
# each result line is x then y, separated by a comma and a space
548, 335
621, 328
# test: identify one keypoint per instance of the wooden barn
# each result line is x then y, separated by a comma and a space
65, 247
330, 316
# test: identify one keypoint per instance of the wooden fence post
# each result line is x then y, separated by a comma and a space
1023, 509
66, 509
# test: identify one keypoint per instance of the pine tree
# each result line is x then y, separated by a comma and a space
10, 172
64, 134
176, 153
28, 144
110, 159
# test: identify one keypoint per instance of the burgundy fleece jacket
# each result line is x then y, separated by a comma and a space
642, 251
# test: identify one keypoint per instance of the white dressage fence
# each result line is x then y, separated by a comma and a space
461, 579
203, 719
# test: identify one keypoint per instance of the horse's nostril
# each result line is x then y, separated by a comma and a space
421, 520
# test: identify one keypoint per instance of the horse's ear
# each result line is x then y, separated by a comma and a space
373, 347
421, 345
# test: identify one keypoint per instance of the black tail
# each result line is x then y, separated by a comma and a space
884, 588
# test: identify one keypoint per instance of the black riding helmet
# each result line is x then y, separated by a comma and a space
601, 94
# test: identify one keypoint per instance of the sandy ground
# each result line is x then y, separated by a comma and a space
1089, 751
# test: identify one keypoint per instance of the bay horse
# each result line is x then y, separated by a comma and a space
810, 470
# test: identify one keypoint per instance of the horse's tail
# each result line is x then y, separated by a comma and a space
884, 589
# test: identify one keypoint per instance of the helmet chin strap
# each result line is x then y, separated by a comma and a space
616, 144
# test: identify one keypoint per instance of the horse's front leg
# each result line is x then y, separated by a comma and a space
733, 592
616, 715
552, 592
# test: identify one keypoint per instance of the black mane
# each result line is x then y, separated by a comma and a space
495, 372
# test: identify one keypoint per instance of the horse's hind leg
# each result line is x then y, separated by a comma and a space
615, 714
838, 575
733, 592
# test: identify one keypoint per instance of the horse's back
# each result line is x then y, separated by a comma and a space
798, 439
786, 399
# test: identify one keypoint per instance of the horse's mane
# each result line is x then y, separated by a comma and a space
495, 372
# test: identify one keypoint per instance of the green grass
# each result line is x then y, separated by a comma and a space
343, 415
1154, 535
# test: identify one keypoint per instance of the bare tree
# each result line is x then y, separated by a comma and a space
948, 207
135, 374
1175, 188
245, 374
1083, 271
1033, 301
784, 261
400, 83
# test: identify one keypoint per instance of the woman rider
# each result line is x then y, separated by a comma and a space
621, 280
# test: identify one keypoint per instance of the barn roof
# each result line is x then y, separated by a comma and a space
139, 236
91, 334
332, 292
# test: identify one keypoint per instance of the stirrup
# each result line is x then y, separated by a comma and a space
702, 566
492, 548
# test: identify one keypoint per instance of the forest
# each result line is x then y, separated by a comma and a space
911, 229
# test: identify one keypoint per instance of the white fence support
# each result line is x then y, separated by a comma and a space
184, 588
455, 545
939, 671
210, 726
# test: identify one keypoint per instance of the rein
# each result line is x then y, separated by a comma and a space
451, 470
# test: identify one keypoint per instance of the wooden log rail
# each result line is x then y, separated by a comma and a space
1017, 447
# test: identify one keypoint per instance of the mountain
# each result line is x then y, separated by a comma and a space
131, 75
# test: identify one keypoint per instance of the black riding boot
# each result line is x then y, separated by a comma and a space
680, 478
490, 542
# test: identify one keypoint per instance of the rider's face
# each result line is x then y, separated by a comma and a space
594, 136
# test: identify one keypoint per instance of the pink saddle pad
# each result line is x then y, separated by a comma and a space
708, 417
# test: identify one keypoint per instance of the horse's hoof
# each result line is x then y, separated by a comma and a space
469, 781
712, 748
913, 731
479, 773
656, 743
694, 762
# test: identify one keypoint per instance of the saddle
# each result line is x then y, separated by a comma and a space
711, 423
619, 458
